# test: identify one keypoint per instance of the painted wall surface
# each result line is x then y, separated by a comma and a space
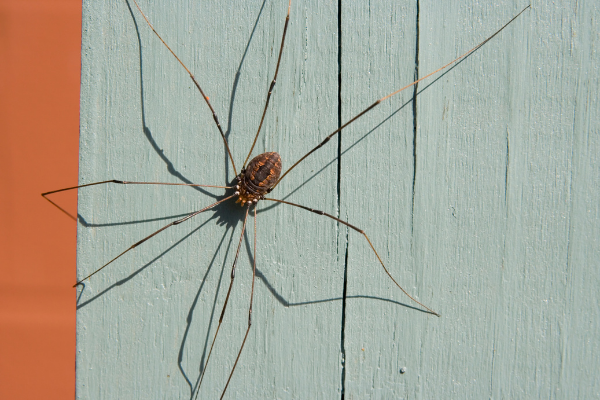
481, 196
40, 46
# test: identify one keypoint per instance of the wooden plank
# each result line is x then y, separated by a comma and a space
145, 324
506, 175
501, 236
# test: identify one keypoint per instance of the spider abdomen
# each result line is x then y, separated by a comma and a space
258, 177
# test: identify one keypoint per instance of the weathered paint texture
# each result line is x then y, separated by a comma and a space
481, 198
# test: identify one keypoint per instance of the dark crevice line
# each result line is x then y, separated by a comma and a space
506, 170
344, 297
414, 107
339, 203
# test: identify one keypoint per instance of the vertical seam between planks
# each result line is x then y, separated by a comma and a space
414, 109
339, 195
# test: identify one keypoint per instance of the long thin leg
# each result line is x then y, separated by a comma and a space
249, 310
237, 253
195, 83
370, 244
122, 183
372, 106
177, 222
287, 19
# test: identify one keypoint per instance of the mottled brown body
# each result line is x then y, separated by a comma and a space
258, 178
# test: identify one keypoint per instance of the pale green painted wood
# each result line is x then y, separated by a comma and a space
502, 238
146, 337
503, 235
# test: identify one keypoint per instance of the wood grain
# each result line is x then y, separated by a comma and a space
491, 219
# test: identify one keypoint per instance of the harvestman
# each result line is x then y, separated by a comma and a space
257, 178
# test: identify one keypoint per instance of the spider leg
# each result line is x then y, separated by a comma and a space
376, 103
205, 97
122, 183
287, 20
370, 244
177, 222
237, 253
249, 310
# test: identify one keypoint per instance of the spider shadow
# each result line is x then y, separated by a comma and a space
223, 214
222, 218
146, 129
81, 219
366, 135
171, 169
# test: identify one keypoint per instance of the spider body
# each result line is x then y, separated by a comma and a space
258, 178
